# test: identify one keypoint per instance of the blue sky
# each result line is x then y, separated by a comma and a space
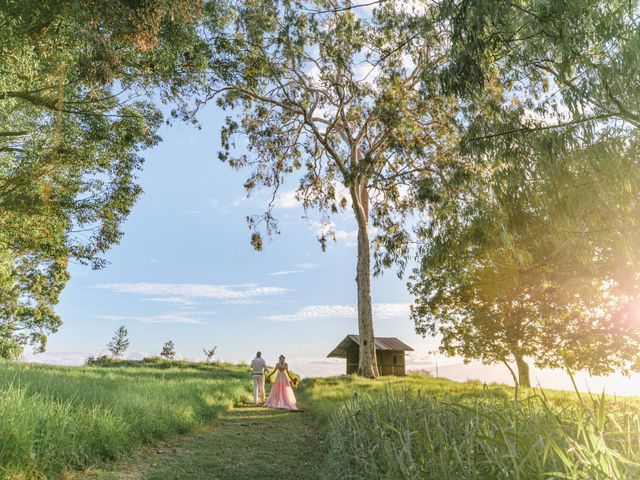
185, 271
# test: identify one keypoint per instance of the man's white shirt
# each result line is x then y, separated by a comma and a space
258, 365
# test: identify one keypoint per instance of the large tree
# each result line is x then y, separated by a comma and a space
74, 117
536, 254
346, 101
538, 260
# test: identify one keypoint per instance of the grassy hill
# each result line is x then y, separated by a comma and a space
55, 419
58, 419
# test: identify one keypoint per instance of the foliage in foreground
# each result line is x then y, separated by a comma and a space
428, 428
76, 82
534, 254
55, 419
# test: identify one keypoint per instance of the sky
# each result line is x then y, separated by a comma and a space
185, 271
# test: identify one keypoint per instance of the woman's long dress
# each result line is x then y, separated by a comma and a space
281, 395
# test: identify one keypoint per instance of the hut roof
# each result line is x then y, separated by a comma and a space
382, 343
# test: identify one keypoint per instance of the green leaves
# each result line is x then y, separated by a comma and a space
337, 97
119, 343
537, 258
532, 254
71, 131
168, 350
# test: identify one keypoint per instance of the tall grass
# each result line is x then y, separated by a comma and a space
447, 430
55, 419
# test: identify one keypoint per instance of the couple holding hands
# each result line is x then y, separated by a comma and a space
281, 395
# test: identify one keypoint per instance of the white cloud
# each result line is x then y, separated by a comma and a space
242, 301
287, 200
365, 72
329, 230
162, 318
391, 310
350, 238
312, 312
194, 290
217, 205
56, 358
316, 366
284, 272
300, 267
315, 311
306, 266
138, 355
214, 203
173, 300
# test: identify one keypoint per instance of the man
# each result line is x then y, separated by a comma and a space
259, 368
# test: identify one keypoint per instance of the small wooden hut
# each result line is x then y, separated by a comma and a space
390, 354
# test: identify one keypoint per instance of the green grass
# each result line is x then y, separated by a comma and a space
247, 442
250, 442
420, 427
56, 419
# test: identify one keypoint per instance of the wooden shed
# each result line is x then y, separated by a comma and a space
390, 354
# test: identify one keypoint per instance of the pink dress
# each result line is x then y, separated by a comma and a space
281, 395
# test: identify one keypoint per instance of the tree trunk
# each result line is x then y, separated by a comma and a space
367, 366
523, 371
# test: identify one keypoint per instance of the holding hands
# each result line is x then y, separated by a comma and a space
281, 395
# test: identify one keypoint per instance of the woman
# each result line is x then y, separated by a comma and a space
281, 395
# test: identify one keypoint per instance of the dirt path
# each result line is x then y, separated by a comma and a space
247, 442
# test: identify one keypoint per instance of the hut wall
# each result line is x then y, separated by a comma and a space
353, 357
398, 361
390, 362
385, 366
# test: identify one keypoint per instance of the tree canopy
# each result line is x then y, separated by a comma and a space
540, 262
535, 255
504, 134
348, 104
75, 114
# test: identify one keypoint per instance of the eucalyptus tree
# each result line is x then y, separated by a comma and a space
75, 114
535, 255
346, 102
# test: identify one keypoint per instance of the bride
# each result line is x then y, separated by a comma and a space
281, 395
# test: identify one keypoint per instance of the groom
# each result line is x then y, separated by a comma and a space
258, 368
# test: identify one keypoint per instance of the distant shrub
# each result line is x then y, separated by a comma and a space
157, 362
210, 353
119, 343
168, 350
